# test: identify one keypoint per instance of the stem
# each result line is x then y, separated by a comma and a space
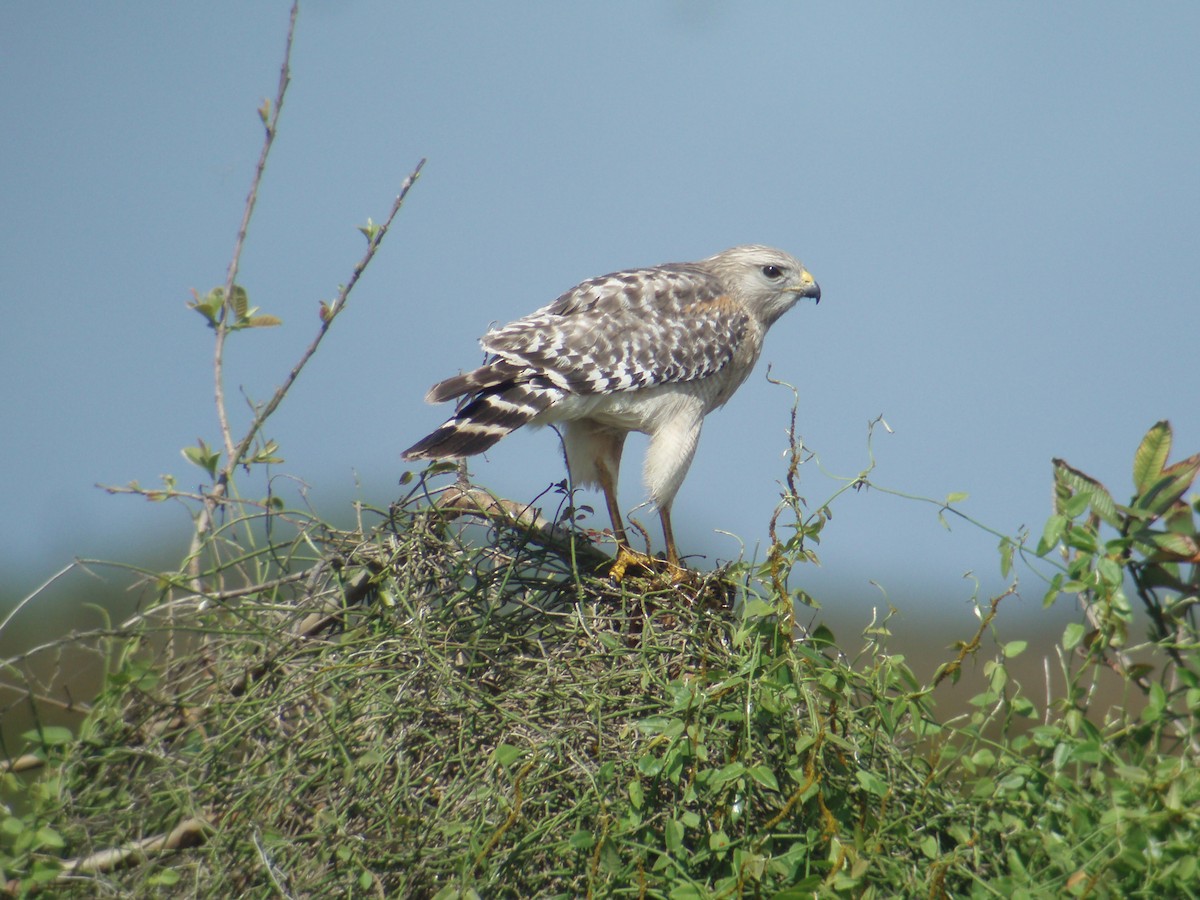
204, 517
271, 122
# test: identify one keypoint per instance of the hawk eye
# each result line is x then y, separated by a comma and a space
772, 272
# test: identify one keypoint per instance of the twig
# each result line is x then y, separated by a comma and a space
204, 517
268, 864
24, 763
188, 833
271, 123
235, 457
27, 599
235, 453
970, 647
467, 500
332, 311
513, 814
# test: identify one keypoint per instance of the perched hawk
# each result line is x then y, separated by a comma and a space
651, 350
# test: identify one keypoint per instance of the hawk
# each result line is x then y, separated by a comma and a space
653, 350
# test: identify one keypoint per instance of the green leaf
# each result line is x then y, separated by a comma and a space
728, 773
757, 608
12, 826
1151, 456
209, 305
263, 321
1053, 591
369, 231
1011, 783
956, 497
804, 889
1072, 635
764, 776
1170, 488
1015, 648
48, 837
45, 871
636, 796
1075, 506
658, 725
984, 788
871, 783
1007, 548
50, 736
507, 754
822, 635
1171, 546
267, 453
203, 456
1083, 538
1056, 526
1156, 703
166, 878
582, 840
1110, 572
1073, 481
673, 835
239, 302
983, 758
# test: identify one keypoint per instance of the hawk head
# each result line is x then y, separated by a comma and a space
767, 281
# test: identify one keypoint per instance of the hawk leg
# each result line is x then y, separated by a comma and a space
669, 535
627, 557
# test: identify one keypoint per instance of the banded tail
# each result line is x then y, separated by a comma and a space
497, 410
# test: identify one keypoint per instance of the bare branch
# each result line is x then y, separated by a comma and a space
271, 122
339, 303
24, 763
463, 499
188, 833
34, 593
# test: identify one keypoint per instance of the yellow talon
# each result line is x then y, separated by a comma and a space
628, 558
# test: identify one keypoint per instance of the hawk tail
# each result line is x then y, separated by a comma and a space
493, 374
489, 416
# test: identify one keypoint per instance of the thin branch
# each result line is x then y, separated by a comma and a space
271, 122
331, 312
26, 600
270, 119
466, 500
23, 763
188, 833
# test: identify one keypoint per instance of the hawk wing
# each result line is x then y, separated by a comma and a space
624, 331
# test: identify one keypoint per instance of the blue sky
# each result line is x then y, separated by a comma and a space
1001, 204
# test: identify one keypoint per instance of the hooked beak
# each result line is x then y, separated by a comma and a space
808, 287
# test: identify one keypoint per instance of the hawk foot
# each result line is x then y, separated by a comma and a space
630, 561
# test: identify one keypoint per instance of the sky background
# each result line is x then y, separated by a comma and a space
1001, 204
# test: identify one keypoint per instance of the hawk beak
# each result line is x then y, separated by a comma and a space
808, 287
